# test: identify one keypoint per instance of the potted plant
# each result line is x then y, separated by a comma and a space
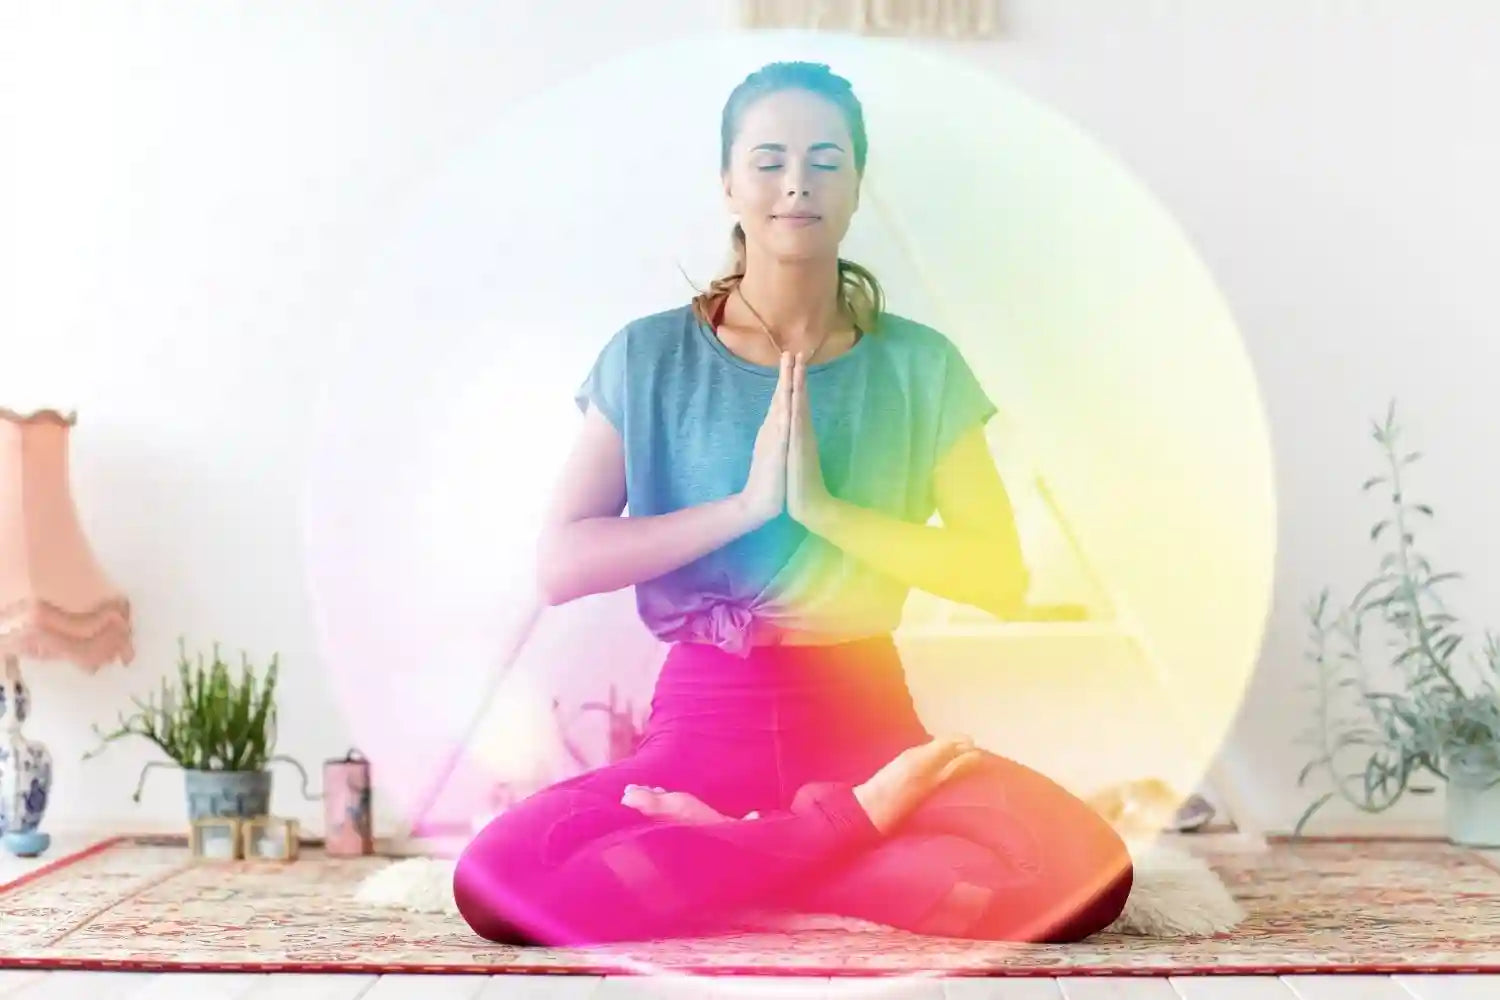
219, 730
1417, 706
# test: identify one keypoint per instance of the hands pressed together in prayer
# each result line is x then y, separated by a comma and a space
784, 470
974, 557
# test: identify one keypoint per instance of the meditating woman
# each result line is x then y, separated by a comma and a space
781, 443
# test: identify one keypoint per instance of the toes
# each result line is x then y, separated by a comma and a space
962, 748
949, 748
659, 803
641, 799
965, 762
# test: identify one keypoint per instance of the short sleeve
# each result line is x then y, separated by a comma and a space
605, 385
962, 404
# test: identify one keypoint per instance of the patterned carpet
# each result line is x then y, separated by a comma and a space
1314, 906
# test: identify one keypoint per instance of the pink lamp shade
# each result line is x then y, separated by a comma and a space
55, 601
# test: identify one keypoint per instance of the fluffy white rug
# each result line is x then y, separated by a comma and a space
1175, 894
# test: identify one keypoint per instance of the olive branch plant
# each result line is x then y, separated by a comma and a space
1433, 723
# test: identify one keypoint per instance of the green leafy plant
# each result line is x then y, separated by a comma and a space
1378, 732
208, 720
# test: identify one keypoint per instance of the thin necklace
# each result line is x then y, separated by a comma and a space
771, 336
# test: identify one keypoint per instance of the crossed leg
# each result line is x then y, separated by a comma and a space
998, 853
573, 864
1001, 853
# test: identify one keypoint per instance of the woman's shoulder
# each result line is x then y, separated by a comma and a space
913, 341
655, 333
632, 357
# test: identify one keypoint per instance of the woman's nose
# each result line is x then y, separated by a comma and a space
796, 181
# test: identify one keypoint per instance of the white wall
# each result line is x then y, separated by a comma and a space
196, 189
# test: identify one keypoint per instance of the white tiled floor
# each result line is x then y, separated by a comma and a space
28, 985
229, 986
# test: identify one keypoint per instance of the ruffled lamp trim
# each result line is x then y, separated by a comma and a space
90, 639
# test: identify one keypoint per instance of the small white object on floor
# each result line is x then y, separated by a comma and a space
1175, 894
418, 885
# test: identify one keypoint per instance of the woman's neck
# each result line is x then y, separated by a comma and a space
799, 302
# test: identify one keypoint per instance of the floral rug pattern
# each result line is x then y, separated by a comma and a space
1313, 906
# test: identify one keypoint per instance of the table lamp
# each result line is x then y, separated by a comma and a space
55, 604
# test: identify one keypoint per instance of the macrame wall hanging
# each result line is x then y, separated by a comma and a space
929, 18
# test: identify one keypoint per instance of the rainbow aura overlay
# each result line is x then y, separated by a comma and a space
1131, 433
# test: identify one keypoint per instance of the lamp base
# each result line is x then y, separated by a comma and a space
28, 844
25, 770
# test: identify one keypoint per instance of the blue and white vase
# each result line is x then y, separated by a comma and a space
25, 765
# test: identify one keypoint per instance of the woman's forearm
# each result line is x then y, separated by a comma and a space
985, 571
597, 555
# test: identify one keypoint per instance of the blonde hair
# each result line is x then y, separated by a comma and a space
860, 294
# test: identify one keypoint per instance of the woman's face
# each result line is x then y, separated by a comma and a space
791, 177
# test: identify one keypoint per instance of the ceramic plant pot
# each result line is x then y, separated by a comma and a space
244, 794
1473, 805
218, 794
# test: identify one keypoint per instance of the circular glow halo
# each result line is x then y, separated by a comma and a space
1084, 311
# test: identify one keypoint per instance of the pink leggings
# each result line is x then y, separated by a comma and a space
1001, 854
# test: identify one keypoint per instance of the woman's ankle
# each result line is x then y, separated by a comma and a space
839, 805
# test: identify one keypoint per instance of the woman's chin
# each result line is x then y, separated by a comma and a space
793, 251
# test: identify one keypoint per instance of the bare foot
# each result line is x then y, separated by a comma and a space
679, 806
897, 788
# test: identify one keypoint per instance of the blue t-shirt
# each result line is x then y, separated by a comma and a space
689, 410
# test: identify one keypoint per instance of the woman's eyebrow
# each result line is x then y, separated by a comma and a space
777, 147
